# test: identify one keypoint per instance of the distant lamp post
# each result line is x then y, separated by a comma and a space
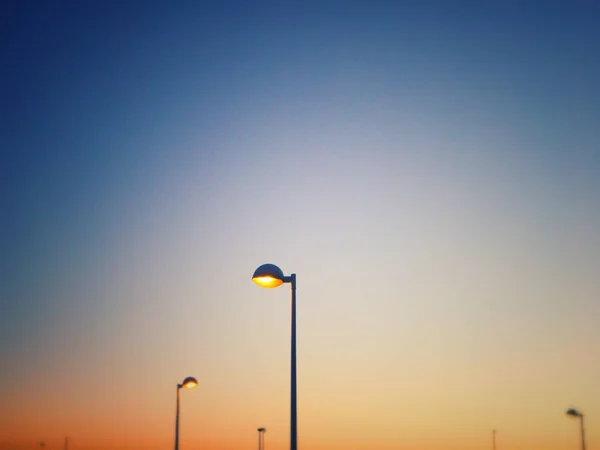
271, 276
188, 383
261, 438
574, 413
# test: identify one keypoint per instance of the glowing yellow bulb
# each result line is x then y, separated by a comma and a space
267, 281
190, 385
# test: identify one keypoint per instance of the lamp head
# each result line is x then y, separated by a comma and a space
189, 383
573, 413
268, 276
262, 430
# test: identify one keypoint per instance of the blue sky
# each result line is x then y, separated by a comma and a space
430, 170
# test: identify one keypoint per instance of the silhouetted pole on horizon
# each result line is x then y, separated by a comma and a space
188, 383
66, 442
582, 434
177, 420
293, 405
261, 438
493, 439
271, 276
574, 413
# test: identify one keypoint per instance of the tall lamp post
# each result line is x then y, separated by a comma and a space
188, 383
271, 276
261, 438
574, 413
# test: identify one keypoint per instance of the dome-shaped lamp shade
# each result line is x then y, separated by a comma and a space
268, 276
573, 412
189, 383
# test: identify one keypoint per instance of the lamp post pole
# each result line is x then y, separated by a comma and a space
293, 404
271, 276
574, 413
189, 383
261, 438
582, 432
177, 420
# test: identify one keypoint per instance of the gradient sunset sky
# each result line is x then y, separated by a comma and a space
430, 170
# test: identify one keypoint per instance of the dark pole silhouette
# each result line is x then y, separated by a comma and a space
188, 383
582, 433
493, 439
261, 438
294, 407
574, 413
271, 276
177, 420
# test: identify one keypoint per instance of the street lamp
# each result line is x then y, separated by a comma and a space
261, 438
574, 413
271, 276
188, 383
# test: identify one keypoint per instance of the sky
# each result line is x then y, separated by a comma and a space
430, 171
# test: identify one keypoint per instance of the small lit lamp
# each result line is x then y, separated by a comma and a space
188, 383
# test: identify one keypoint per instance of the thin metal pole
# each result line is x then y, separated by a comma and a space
582, 433
293, 405
493, 439
177, 420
